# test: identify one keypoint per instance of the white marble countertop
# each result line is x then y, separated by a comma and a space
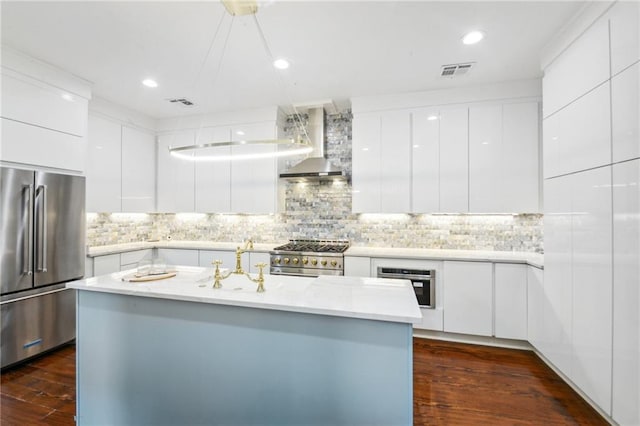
533, 259
192, 245
350, 297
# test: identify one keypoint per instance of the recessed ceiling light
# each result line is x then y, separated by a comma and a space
240, 132
473, 37
67, 97
281, 64
432, 117
149, 82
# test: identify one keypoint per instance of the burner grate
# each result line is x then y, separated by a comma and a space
316, 246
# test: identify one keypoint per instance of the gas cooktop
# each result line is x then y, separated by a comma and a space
315, 246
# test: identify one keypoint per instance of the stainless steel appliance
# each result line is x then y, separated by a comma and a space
42, 243
309, 258
423, 280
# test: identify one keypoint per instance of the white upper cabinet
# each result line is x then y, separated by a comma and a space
33, 102
425, 161
521, 157
578, 69
395, 158
503, 158
485, 159
578, 137
213, 178
175, 176
138, 170
625, 114
381, 162
454, 160
254, 181
366, 163
104, 179
626, 293
625, 36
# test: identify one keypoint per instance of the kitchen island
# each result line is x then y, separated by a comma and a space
328, 350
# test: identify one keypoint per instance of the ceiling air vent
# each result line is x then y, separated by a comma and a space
455, 70
183, 101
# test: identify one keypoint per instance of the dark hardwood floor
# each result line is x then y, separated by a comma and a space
454, 384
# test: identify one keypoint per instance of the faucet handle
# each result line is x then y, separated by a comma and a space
260, 279
217, 262
216, 275
260, 266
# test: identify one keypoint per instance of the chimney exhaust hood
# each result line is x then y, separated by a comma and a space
317, 166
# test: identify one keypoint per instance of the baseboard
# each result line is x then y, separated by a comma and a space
473, 340
574, 386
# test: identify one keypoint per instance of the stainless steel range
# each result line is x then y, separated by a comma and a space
309, 258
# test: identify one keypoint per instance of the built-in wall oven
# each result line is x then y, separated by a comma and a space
423, 281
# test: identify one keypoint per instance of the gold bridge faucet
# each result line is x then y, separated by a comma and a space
247, 246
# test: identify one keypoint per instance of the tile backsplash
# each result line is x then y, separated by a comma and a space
322, 210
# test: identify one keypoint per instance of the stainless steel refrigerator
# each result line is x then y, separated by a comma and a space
42, 243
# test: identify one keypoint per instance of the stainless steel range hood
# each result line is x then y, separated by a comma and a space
316, 167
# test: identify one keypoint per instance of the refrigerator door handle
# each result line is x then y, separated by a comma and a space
27, 246
42, 230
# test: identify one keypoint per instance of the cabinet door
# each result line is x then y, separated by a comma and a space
425, 159
138, 171
626, 270
104, 181
130, 259
485, 159
255, 258
519, 161
454, 160
625, 35
213, 178
395, 152
592, 286
580, 68
535, 305
555, 342
357, 266
468, 298
510, 312
254, 181
578, 137
228, 258
178, 257
366, 163
625, 88
176, 176
106, 264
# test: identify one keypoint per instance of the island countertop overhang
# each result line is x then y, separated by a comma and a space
347, 297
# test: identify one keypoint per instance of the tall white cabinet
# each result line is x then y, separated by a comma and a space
589, 326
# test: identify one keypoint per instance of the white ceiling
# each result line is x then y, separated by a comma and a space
338, 50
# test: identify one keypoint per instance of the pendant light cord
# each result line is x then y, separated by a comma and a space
301, 129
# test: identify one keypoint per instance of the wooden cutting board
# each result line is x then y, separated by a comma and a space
137, 279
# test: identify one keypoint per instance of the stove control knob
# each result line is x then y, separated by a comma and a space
276, 260
324, 263
286, 260
314, 262
334, 263
305, 260
295, 260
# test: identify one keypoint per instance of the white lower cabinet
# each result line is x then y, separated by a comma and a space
510, 313
626, 293
468, 298
227, 257
357, 266
131, 259
535, 304
107, 264
179, 257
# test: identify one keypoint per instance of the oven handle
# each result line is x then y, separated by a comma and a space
405, 277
